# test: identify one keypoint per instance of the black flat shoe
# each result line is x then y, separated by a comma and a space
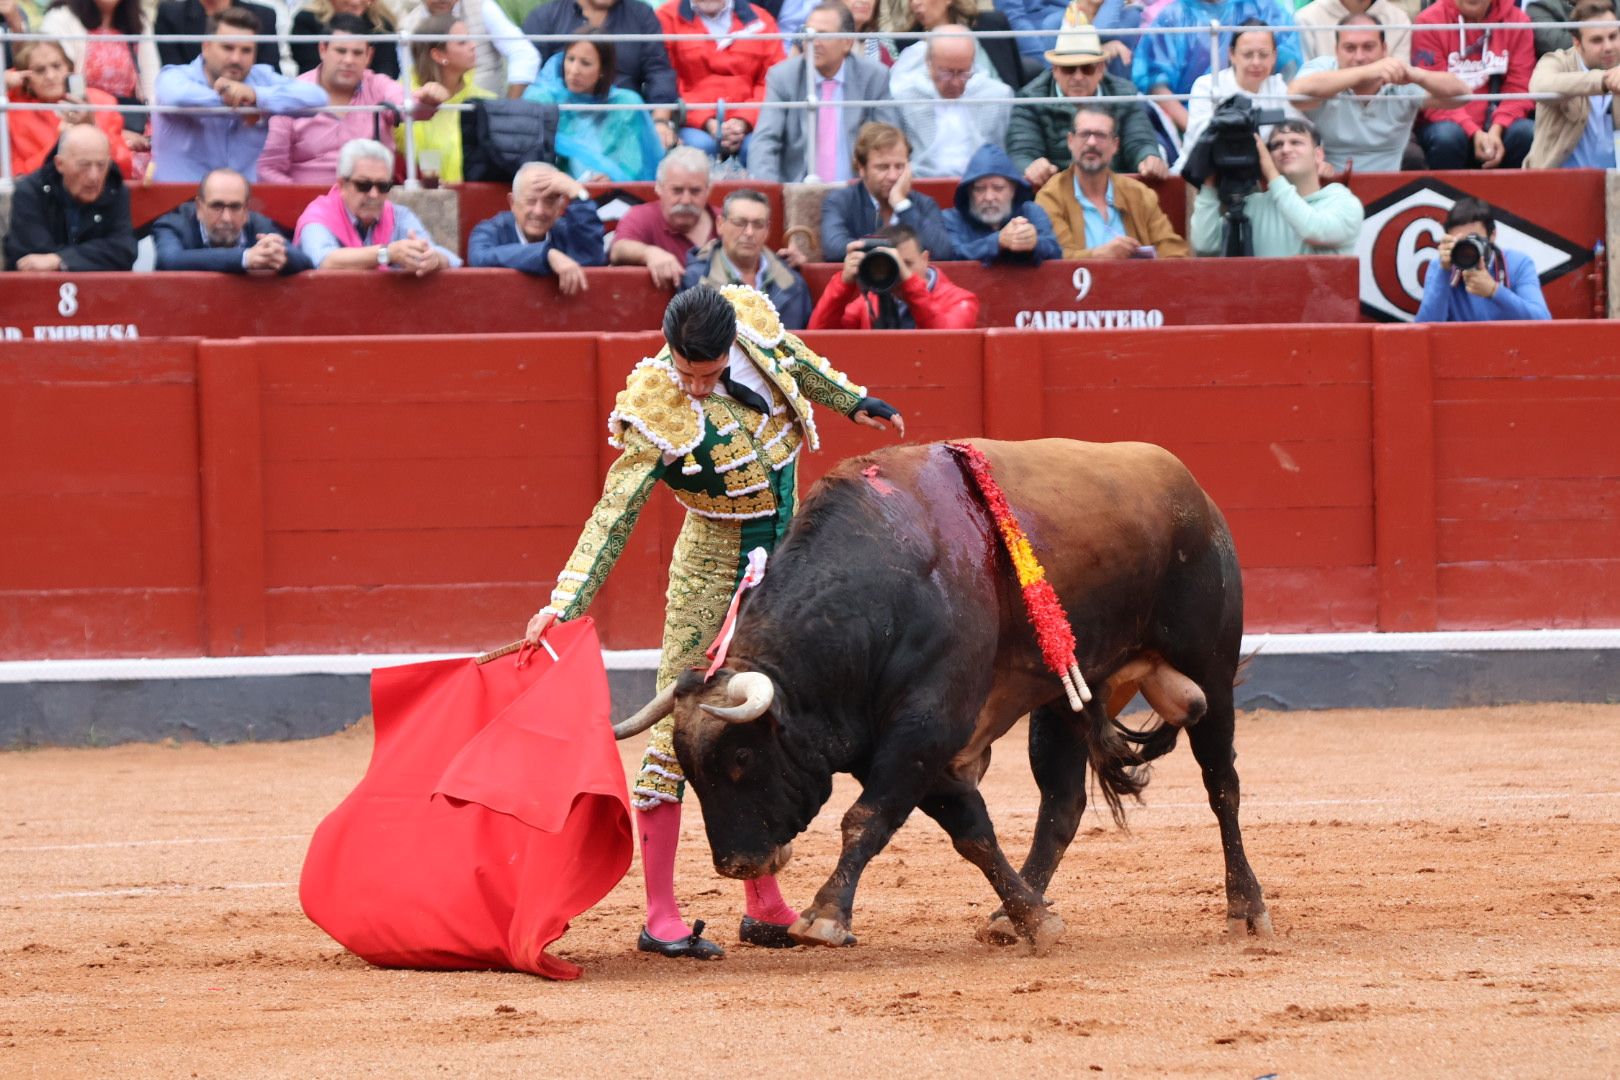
694, 945
767, 935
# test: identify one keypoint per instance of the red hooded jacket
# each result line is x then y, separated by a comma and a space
1442, 40
946, 306
706, 72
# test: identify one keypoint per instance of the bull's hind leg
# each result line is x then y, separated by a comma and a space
963, 815
1212, 745
1057, 757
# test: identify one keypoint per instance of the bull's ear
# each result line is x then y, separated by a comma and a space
750, 694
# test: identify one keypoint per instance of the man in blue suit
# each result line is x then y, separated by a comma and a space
881, 197
552, 228
216, 231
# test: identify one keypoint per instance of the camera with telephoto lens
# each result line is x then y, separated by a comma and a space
1471, 251
1226, 149
879, 272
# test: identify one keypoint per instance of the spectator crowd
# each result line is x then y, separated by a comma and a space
909, 91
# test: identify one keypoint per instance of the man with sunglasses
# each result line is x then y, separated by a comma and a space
355, 227
217, 232
1038, 134
741, 256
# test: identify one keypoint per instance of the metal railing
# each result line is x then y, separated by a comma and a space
1214, 29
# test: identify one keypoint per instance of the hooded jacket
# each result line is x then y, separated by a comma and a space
1042, 131
101, 238
972, 239
1498, 61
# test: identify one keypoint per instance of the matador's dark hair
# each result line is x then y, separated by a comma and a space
700, 324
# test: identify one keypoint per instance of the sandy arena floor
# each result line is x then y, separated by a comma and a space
1446, 889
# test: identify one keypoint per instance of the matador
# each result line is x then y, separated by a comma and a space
720, 415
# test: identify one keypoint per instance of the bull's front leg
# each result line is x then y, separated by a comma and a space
913, 754
867, 827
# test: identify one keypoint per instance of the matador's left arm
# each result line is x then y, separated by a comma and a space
826, 385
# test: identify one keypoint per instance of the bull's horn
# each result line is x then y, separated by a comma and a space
652, 712
752, 692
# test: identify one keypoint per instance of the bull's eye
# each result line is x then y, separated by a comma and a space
741, 759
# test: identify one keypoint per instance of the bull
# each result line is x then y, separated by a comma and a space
890, 640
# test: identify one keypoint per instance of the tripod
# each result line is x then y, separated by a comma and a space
1239, 240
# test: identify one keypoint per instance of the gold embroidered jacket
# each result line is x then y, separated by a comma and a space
723, 460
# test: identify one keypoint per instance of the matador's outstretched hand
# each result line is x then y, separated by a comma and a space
877, 413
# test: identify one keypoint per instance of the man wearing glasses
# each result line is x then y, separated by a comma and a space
957, 119
1038, 138
739, 256
355, 227
217, 232
1098, 215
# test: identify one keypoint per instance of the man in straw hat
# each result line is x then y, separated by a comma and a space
719, 416
1038, 137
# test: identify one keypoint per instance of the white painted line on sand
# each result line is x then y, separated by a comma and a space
177, 841
226, 667
151, 890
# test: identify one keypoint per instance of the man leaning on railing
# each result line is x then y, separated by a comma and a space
187, 146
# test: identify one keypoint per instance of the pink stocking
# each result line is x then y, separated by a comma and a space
660, 830
765, 902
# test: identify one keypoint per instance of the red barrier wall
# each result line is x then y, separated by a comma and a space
1057, 295
177, 497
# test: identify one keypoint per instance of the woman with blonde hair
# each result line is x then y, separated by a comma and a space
442, 54
316, 17
41, 76
996, 56
125, 69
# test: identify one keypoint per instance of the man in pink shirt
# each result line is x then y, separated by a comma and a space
304, 149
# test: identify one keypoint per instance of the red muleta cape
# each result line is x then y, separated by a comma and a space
494, 810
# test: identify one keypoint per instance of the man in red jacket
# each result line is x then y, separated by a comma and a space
924, 298
1479, 134
720, 57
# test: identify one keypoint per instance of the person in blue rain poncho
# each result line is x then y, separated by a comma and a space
613, 144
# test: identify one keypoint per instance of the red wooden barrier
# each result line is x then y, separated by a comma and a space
175, 497
1058, 295
98, 496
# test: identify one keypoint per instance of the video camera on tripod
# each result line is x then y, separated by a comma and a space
1226, 150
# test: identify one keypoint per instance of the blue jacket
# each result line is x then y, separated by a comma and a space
848, 214
1519, 300
577, 234
972, 239
180, 245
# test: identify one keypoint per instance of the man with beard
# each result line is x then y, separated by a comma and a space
187, 146
660, 235
552, 228
738, 257
1292, 214
216, 231
304, 149
1097, 214
995, 218
355, 227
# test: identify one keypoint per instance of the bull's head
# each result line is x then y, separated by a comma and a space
759, 787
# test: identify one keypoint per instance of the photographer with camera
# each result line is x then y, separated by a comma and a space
887, 284
1473, 280
1291, 214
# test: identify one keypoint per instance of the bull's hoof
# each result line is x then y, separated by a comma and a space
998, 931
1046, 933
1250, 926
821, 932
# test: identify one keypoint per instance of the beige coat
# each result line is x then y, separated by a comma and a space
1560, 124
1138, 209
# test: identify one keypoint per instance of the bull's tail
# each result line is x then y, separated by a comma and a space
1118, 767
